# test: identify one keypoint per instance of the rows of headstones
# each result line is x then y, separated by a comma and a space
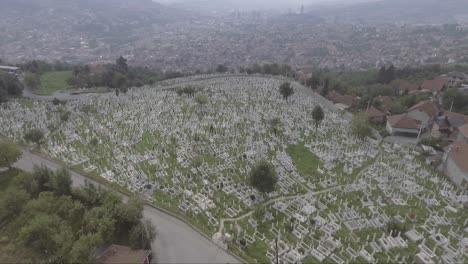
351, 223
199, 155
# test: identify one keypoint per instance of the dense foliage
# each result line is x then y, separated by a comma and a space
9, 153
360, 126
9, 86
55, 223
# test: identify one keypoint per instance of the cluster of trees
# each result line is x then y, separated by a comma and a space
119, 76
9, 86
34, 135
9, 154
386, 74
360, 126
41, 67
270, 69
56, 223
455, 100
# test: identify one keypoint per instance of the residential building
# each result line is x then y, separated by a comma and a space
10, 69
375, 115
446, 125
403, 125
456, 164
116, 254
435, 86
425, 112
462, 134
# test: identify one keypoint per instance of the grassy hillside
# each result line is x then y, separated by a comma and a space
52, 82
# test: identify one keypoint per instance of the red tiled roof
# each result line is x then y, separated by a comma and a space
429, 107
373, 112
403, 121
337, 98
456, 115
407, 86
436, 85
464, 131
459, 154
116, 254
386, 103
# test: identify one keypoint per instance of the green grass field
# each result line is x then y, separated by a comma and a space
52, 82
304, 160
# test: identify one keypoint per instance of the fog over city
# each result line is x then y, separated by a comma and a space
264, 4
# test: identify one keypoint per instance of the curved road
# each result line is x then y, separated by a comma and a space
176, 242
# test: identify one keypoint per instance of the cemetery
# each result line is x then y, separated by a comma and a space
338, 199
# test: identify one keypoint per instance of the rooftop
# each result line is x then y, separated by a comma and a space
2, 67
459, 153
403, 121
121, 254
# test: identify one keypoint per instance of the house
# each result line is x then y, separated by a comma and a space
425, 112
115, 254
435, 86
461, 134
403, 125
407, 87
386, 103
445, 126
375, 115
10, 69
460, 76
304, 73
346, 100
456, 164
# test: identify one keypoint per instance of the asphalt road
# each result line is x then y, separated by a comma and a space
176, 242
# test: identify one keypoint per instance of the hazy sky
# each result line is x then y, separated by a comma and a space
269, 3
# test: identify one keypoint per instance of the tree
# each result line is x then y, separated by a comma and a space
29, 183
12, 203
386, 75
9, 154
34, 135
201, 99
263, 177
313, 82
9, 86
64, 116
32, 80
360, 126
56, 101
326, 87
128, 214
221, 68
318, 115
84, 249
122, 65
61, 182
142, 235
286, 90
